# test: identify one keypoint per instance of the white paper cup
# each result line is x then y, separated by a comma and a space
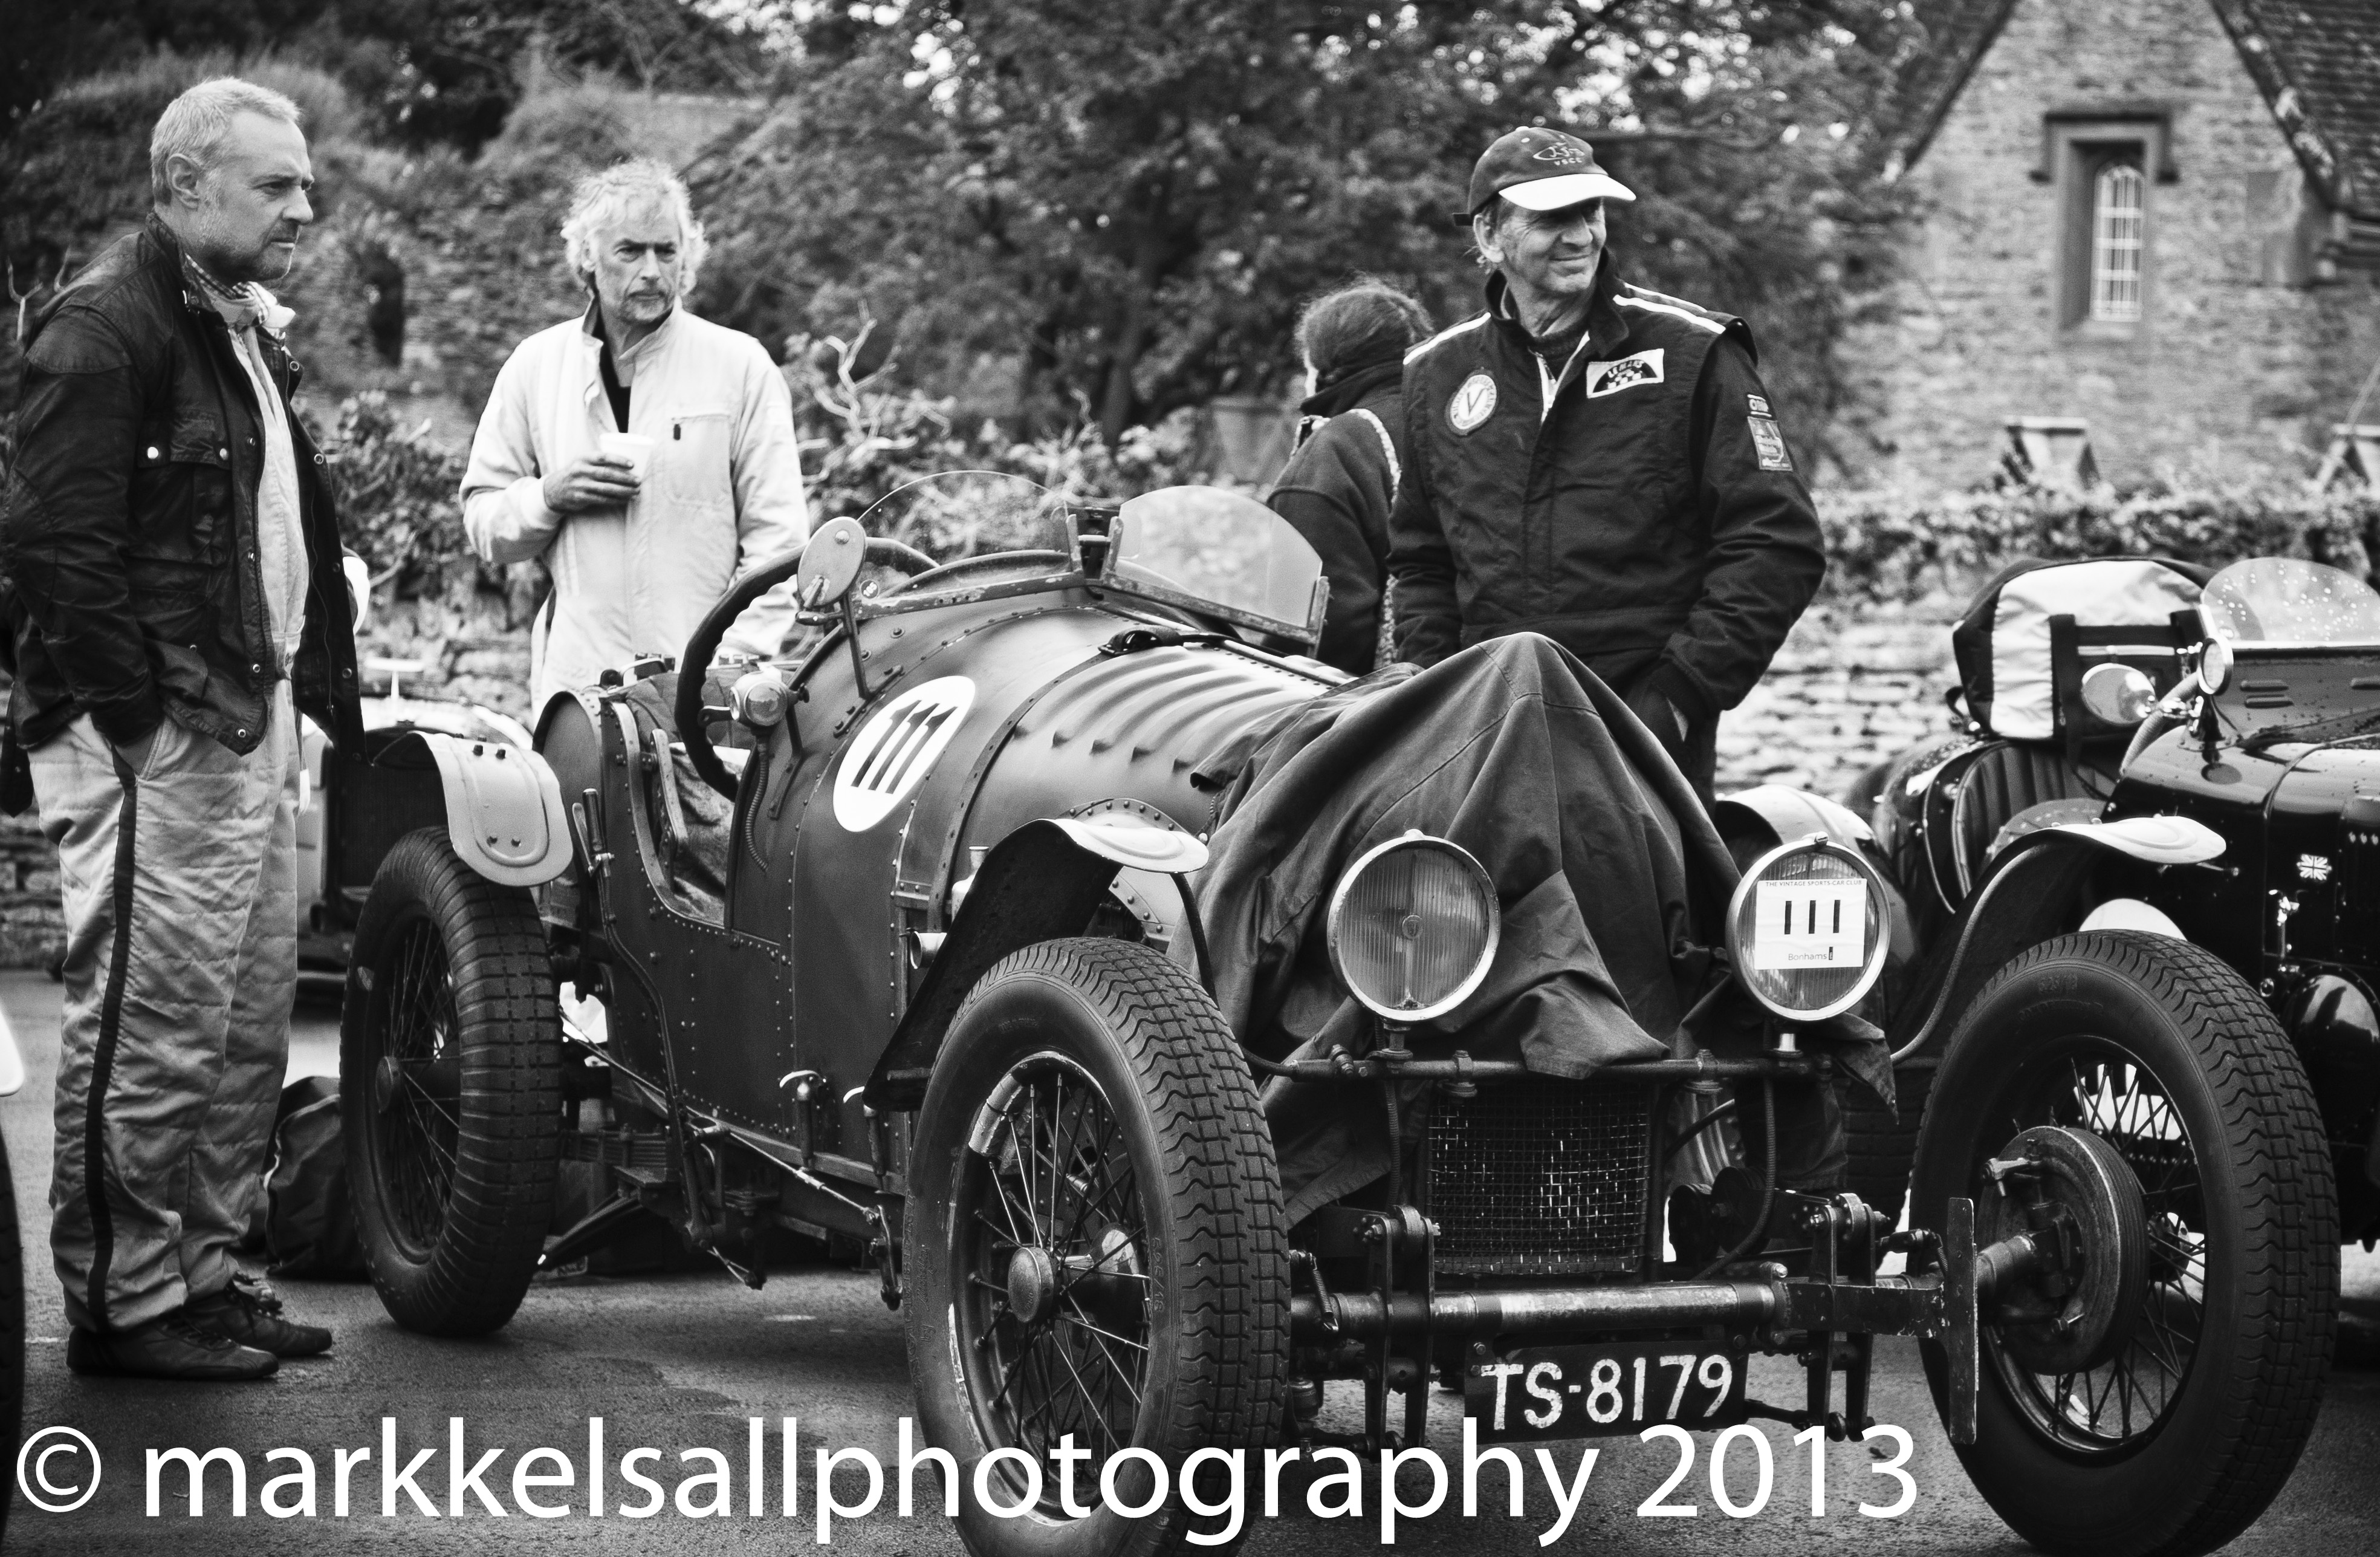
634, 447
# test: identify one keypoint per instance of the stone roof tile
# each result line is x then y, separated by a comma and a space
1953, 36
2317, 63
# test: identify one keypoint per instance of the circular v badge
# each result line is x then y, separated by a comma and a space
1473, 404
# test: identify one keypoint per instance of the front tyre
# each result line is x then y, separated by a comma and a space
450, 1055
2176, 1443
1094, 1246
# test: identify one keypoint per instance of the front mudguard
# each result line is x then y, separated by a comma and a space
505, 814
1040, 882
2027, 894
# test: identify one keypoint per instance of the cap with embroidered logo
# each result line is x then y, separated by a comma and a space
1540, 169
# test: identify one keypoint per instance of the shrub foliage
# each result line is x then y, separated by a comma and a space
1901, 545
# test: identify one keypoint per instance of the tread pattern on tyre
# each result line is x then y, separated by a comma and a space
508, 1150
1880, 1144
1225, 1191
2283, 1350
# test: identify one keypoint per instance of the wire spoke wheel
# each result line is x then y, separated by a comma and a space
1052, 1243
1095, 1254
414, 1130
450, 1050
2097, 1085
2172, 1437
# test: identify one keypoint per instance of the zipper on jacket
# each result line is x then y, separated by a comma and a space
1549, 384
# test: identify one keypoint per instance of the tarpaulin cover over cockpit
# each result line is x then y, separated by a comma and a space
1612, 878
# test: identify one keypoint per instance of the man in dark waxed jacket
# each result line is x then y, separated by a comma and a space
174, 593
1597, 463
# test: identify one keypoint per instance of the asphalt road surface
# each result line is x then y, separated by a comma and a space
683, 1362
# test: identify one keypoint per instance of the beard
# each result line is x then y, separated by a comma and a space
235, 253
648, 309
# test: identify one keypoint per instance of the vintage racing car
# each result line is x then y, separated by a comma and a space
953, 996
2232, 721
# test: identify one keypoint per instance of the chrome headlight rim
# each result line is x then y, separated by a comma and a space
1879, 947
1415, 838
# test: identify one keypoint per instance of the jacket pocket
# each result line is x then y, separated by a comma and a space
694, 462
181, 496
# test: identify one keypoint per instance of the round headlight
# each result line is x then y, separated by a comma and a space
1806, 928
759, 699
1413, 927
2215, 665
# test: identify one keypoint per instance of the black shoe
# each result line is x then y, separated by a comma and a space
248, 1313
170, 1347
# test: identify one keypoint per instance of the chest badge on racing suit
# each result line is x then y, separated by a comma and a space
1473, 404
1626, 373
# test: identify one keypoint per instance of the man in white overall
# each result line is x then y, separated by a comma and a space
643, 539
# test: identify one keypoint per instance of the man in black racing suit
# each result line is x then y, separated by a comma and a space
1601, 464
1597, 463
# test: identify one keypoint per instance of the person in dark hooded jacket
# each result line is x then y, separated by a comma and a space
1342, 479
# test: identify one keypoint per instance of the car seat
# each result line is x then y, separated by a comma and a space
2036, 754
689, 823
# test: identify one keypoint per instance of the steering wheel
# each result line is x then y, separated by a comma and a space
945, 572
694, 665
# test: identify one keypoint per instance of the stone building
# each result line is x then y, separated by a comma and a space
2159, 216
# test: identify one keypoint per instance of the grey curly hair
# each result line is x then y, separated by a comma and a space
599, 198
196, 124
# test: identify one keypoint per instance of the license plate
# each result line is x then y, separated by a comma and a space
1607, 1388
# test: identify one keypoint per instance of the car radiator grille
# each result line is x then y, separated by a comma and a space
1544, 1179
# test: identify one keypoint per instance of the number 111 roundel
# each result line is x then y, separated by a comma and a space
1806, 928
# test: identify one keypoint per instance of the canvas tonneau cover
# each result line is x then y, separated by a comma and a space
1613, 880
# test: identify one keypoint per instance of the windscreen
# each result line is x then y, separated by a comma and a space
2283, 600
1203, 546
954, 533
975, 517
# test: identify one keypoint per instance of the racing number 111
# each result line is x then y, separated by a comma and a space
1809, 924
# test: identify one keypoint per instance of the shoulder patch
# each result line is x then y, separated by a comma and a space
79, 339
1472, 403
1626, 373
1769, 440
1447, 334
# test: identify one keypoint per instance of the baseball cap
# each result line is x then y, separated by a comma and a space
1540, 169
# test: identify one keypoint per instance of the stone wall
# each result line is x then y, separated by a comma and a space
1851, 687
2229, 373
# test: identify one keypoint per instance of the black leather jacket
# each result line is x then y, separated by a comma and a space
129, 572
